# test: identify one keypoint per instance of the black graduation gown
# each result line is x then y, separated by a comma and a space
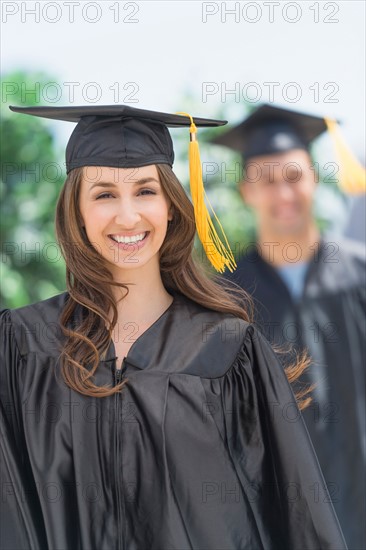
329, 320
204, 449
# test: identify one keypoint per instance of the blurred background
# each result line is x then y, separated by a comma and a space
213, 59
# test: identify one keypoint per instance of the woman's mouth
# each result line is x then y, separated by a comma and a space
129, 241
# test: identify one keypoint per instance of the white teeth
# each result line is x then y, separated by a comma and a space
127, 240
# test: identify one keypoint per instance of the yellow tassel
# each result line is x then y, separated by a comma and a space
352, 175
218, 253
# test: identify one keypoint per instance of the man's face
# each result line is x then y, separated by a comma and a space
280, 189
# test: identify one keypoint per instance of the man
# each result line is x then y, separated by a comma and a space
309, 292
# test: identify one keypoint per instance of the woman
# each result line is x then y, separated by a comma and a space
141, 409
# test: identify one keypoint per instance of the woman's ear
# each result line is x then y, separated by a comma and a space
80, 218
170, 214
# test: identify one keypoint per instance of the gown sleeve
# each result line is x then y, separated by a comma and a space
273, 455
21, 525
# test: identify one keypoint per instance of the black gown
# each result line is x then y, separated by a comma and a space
204, 449
329, 320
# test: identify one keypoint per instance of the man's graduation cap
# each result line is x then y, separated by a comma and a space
121, 136
270, 130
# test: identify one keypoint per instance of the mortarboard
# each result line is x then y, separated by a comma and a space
121, 136
271, 129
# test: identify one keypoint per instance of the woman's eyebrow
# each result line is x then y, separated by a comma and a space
141, 181
102, 184
148, 179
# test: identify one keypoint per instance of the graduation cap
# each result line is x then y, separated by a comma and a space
270, 130
120, 136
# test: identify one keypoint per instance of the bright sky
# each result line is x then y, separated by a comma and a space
306, 55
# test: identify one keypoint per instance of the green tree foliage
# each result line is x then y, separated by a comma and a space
31, 177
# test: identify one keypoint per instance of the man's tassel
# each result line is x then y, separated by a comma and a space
352, 175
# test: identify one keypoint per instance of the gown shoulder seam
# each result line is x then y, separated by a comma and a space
9, 323
242, 349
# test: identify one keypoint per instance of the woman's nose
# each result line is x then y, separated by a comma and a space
127, 215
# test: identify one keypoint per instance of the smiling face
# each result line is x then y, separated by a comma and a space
125, 213
280, 188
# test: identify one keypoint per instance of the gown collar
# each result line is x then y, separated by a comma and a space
138, 354
187, 339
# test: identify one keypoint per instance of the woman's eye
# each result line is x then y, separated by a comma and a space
108, 195
147, 192
104, 196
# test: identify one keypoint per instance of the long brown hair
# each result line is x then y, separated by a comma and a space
90, 285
